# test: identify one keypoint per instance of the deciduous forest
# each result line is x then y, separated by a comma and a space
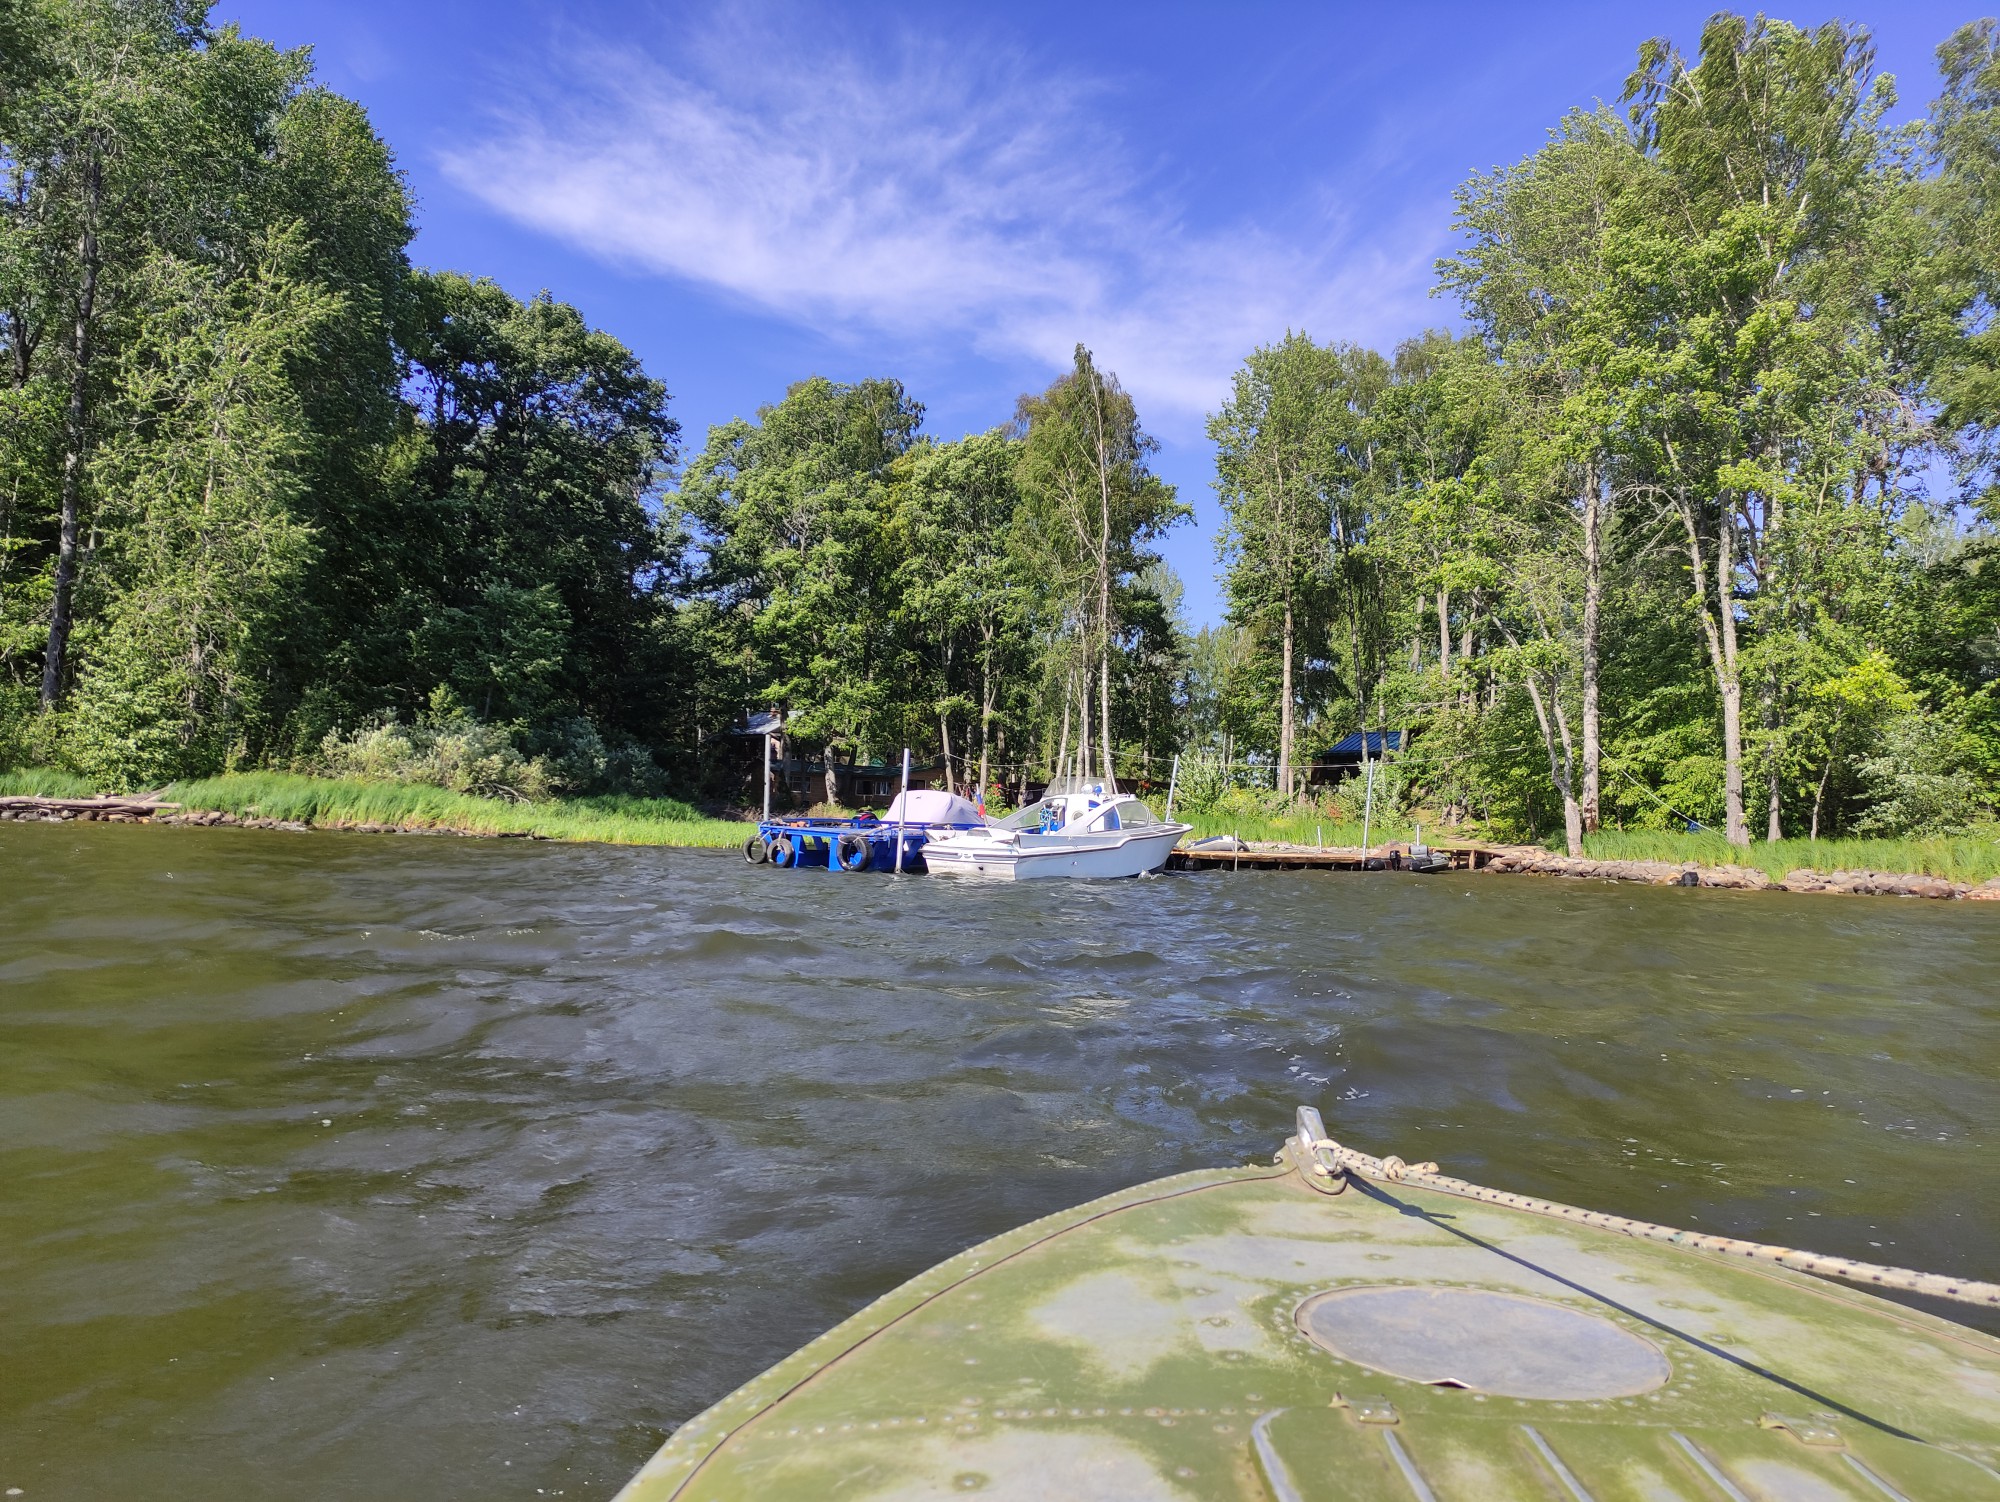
1687, 518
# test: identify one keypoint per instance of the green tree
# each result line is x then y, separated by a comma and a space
1536, 279
202, 549
1745, 275
1093, 503
790, 514
1277, 455
962, 594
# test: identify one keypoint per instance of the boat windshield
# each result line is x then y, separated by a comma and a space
1029, 817
1134, 813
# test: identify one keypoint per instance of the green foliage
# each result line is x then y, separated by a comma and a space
1653, 549
1917, 780
449, 747
446, 747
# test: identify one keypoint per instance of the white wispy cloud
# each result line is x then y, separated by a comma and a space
925, 192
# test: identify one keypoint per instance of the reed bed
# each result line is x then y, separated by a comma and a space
43, 782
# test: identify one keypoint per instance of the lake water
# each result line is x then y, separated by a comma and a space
394, 1168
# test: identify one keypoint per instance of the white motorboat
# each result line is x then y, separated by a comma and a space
1086, 831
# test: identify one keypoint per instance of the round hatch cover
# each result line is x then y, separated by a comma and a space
1500, 1343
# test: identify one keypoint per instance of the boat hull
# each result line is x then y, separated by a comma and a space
1034, 857
1172, 1342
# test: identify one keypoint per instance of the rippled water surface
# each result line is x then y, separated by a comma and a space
348, 1167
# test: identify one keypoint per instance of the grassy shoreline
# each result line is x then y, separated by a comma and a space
1962, 858
333, 803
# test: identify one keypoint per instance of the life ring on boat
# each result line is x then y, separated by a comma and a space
756, 850
785, 849
851, 850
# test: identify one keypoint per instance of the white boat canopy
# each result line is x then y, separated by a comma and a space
931, 806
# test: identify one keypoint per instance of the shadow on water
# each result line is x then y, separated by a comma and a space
357, 1167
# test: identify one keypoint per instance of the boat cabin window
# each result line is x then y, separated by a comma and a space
1108, 819
1136, 814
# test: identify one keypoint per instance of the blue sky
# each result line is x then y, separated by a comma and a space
955, 194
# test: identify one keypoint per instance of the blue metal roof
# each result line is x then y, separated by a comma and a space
1377, 741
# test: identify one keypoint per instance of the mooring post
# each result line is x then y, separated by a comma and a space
902, 810
1367, 810
767, 777
1173, 781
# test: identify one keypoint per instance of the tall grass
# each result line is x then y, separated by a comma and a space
1957, 858
42, 782
318, 800
1967, 858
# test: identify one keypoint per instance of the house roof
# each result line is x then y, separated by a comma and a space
763, 722
1374, 741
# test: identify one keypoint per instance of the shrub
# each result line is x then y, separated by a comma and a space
1917, 782
447, 747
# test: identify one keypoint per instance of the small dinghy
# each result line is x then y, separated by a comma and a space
1085, 830
1338, 1326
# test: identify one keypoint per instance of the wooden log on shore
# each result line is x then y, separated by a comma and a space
18, 805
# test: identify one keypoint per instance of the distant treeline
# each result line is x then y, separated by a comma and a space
1646, 543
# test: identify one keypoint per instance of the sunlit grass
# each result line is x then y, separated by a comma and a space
1965, 858
611, 820
41, 782
1306, 828
1959, 858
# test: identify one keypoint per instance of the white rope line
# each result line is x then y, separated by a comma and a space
1329, 1160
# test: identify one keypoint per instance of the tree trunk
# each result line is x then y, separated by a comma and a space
1593, 610
944, 739
1560, 763
75, 435
1774, 829
1444, 632
1104, 631
1718, 625
1083, 723
1285, 712
1732, 685
1062, 750
986, 710
1104, 742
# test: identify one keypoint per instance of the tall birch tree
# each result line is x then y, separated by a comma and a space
1092, 505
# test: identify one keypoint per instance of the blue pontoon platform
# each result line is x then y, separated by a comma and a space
851, 844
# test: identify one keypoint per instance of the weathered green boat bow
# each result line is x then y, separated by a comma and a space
1260, 1334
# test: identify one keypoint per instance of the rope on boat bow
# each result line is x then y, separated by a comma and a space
1328, 1160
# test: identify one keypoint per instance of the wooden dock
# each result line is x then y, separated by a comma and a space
1265, 857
